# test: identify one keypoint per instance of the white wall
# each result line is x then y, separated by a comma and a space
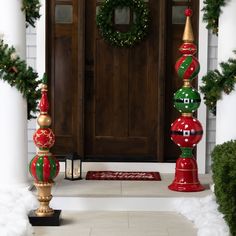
31, 61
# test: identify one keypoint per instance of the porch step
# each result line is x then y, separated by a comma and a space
89, 195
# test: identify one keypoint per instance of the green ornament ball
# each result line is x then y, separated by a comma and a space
187, 100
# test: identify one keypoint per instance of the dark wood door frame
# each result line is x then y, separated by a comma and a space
79, 17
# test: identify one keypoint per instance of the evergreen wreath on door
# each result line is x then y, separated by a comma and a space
138, 28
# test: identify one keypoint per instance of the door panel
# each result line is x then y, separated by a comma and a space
64, 77
122, 97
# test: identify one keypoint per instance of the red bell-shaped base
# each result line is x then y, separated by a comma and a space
186, 176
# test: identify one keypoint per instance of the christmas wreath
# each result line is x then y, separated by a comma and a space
15, 72
31, 9
216, 82
138, 28
212, 10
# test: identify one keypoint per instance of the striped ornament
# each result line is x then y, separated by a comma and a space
187, 67
44, 168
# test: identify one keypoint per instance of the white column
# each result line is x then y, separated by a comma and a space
226, 111
202, 111
13, 108
41, 40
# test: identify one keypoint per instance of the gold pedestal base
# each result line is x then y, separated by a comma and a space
44, 197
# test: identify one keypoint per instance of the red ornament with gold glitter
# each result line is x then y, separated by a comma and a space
44, 138
187, 131
44, 167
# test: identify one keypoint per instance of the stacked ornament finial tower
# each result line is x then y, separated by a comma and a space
44, 167
187, 131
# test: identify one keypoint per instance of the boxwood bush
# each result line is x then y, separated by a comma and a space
224, 177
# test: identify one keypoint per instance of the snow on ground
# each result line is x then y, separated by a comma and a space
203, 212
15, 203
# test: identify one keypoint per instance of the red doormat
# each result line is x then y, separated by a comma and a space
123, 175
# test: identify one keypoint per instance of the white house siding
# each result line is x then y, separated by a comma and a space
31, 61
211, 120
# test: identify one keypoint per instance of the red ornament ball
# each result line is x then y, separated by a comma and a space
44, 168
44, 138
186, 131
188, 12
188, 48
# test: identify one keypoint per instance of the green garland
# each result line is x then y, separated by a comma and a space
31, 9
15, 72
138, 29
215, 82
212, 10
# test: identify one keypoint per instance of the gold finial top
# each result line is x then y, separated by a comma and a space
188, 30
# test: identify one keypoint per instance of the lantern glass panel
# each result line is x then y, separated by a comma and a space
68, 169
76, 169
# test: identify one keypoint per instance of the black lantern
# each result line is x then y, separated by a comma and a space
73, 167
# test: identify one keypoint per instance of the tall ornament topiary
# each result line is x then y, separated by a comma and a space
44, 167
187, 131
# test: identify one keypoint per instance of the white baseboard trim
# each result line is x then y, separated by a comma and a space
121, 166
113, 204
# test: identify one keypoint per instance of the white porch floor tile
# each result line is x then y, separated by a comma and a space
91, 188
128, 232
87, 188
120, 224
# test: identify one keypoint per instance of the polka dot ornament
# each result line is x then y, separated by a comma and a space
187, 100
186, 131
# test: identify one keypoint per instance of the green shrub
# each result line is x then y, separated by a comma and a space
224, 177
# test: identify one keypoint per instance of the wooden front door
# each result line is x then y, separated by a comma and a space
123, 102
113, 104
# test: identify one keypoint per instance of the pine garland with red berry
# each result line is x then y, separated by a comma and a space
15, 72
216, 82
31, 9
212, 11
